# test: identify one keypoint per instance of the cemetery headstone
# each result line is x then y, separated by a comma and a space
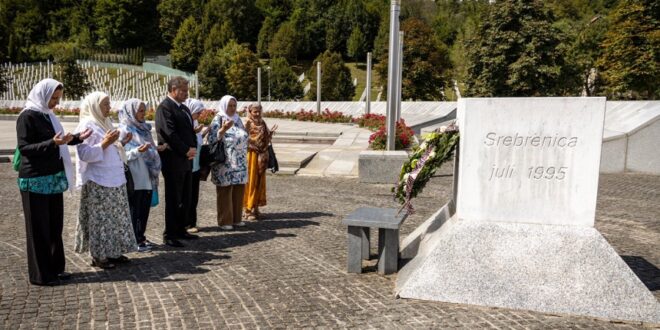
522, 236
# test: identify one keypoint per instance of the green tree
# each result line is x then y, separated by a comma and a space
126, 23
214, 78
426, 63
242, 74
284, 43
186, 48
356, 45
74, 79
266, 34
220, 35
172, 13
284, 82
630, 61
516, 52
242, 17
336, 82
211, 71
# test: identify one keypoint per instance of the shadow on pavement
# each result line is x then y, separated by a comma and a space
165, 263
647, 272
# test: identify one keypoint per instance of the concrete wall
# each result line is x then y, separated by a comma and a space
613, 155
643, 154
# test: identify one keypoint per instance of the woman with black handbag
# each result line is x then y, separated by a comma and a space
229, 176
104, 221
258, 159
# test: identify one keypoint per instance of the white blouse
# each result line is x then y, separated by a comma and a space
101, 166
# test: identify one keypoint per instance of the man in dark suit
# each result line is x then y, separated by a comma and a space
174, 126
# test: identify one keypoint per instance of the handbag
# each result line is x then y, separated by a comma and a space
130, 184
213, 153
16, 162
154, 198
272, 160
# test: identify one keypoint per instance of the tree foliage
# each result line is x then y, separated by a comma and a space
516, 52
284, 82
285, 43
172, 13
74, 79
630, 63
336, 82
126, 23
426, 64
186, 48
242, 74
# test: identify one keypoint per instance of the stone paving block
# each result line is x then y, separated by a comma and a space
288, 270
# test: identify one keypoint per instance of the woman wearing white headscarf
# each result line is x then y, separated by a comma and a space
104, 221
45, 173
196, 107
144, 164
231, 176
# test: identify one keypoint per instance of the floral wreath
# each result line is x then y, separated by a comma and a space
437, 148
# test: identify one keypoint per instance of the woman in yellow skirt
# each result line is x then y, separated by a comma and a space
257, 159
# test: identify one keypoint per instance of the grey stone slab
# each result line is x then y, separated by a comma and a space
388, 257
366, 245
375, 217
380, 166
354, 258
545, 268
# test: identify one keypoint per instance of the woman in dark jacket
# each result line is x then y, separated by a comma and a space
45, 173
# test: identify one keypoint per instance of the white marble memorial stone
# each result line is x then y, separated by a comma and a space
523, 234
530, 160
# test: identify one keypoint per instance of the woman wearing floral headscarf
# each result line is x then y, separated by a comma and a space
104, 221
196, 107
144, 164
257, 159
230, 177
45, 173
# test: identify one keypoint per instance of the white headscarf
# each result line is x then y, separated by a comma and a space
38, 101
90, 110
224, 104
195, 106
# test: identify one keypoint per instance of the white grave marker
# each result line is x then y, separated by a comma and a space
530, 160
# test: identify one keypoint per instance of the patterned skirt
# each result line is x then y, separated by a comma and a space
104, 222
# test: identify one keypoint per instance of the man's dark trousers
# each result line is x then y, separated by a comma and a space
178, 188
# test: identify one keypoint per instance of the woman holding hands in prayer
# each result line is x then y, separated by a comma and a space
230, 177
104, 221
45, 172
144, 164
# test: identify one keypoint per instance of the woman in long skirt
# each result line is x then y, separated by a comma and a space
45, 173
104, 222
257, 159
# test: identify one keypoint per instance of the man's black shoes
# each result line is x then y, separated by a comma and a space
173, 243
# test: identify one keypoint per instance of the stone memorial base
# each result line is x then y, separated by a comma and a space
551, 269
376, 166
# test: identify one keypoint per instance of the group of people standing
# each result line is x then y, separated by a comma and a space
117, 172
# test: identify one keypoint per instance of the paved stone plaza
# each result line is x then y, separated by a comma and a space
287, 271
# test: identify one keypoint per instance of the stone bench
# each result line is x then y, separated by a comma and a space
388, 223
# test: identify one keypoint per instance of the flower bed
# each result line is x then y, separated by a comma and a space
403, 139
371, 121
325, 116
